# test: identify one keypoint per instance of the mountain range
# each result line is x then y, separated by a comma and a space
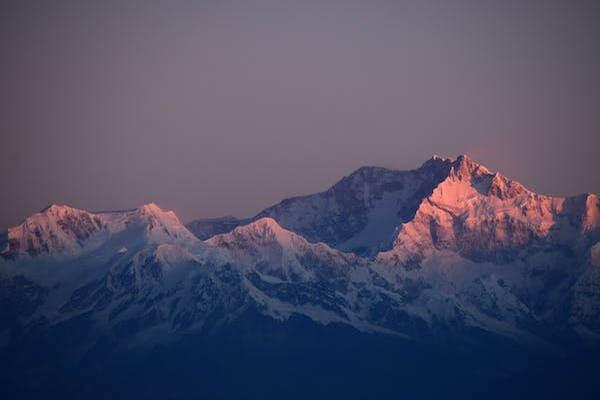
449, 254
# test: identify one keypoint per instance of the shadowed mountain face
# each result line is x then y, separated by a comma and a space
359, 213
430, 265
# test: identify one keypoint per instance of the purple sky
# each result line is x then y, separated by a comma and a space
225, 107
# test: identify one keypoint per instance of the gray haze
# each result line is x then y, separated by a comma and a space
224, 107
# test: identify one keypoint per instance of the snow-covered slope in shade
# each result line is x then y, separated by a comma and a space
159, 292
279, 252
139, 267
374, 209
359, 213
205, 228
287, 275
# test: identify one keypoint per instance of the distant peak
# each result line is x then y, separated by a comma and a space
265, 228
151, 205
367, 170
267, 222
366, 174
151, 208
437, 157
55, 230
465, 167
464, 159
53, 207
263, 225
436, 162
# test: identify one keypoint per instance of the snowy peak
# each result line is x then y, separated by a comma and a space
152, 209
161, 225
473, 246
60, 230
266, 227
367, 175
56, 209
466, 168
483, 215
266, 235
361, 211
264, 231
279, 254
56, 229
505, 188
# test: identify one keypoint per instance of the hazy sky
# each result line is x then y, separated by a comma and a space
225, 107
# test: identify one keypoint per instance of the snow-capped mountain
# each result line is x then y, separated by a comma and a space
54, 230
63, 231
482, 248
445, 249
486, 216
288, 275
359, 213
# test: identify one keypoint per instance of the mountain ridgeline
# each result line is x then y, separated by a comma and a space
383, 271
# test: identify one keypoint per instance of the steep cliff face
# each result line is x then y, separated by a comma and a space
361, 211
485, 216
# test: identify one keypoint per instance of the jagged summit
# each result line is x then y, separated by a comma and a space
151, 208
263, 230
436, 157
53, 208
55, 229
484, 215
65, 231
463, 167
266, 224
368, 171
436, 160
485, 181
162, 225
361, 212
462, 162
282, 254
